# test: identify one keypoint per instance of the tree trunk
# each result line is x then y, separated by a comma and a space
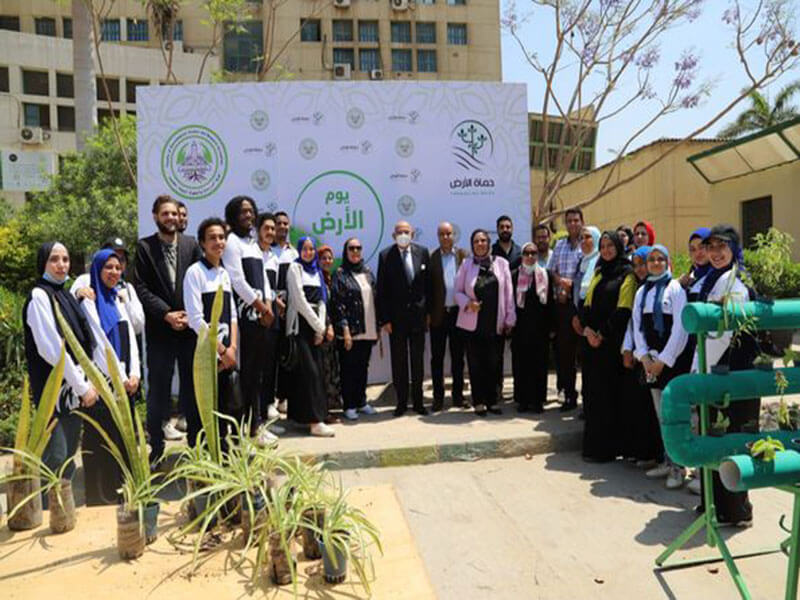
83, 72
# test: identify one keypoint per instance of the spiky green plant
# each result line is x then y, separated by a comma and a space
204, 375
283, 518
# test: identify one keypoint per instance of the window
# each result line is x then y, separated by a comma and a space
110, 30
4, 79
426, 33
137, 30
756, 218
113, 88
456, 2
36, 115
343, 56
586, 161
554, 132
45, 26
369, 59
65, 85
401, 32
401, 60
67, 25
426, 1
457, 34
103, 114
310, 30
244, 49
66, 118
177, 31
367, 31
10, 23
130, 89
35, 82
342, 30
426, 61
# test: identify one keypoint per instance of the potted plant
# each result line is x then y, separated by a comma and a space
720, 425
137, 516
33, 433
276, 537
345, 539
765, 448
312, 484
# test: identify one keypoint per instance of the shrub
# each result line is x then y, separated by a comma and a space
770, 267
681, 263
17, 257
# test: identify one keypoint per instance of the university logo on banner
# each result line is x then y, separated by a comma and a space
194, 162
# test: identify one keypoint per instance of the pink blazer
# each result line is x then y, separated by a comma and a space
465, 291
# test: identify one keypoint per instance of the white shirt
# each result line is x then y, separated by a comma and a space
127, 293
101, 341
244, 263
368, 302
200, 284
296, 279
270, 261
672, 303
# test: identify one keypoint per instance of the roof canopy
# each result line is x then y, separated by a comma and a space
767, 148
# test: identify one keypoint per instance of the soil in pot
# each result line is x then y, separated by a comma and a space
199, 505
333, 573
130, 534
29, 516
151, 522
279, 566
62, 514
308, 537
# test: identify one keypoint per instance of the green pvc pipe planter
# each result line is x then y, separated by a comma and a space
743, 472
701, 317
685, 447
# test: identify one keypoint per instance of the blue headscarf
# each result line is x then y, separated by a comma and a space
659, 282
699, 271
642, 252
106, 300
312, 267
589, 262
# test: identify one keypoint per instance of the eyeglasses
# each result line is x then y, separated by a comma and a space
354, 248
529, 253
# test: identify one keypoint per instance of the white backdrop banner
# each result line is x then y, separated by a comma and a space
343, 159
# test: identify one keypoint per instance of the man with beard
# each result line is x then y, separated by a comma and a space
160, 266
244, 263
183, 217
510, 250
541, 237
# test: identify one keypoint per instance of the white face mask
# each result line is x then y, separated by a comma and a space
403, 240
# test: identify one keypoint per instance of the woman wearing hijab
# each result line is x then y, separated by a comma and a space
112, 328
485, 298
43, 341
306, 320
661, 341
700, 265
353, 306
606, 312
723, 283
330, 361
590, 251
530, 342
643, 234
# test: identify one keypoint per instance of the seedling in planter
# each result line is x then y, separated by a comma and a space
721, 423
766, 448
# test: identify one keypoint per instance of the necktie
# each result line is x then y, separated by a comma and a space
408, 266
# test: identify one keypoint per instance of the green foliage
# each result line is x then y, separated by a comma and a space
558, 235
204, 375
10, 401
681, 263
766, 448
770, 267
12, 332
17, 256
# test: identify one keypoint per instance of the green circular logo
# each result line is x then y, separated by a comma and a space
194, 162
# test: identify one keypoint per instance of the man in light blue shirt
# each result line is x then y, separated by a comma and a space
442, 315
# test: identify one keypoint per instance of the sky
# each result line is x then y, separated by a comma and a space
708, 37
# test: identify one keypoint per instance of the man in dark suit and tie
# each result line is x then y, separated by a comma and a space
443, 312
403, 289
161, 263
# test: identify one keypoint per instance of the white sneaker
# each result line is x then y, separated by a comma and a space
272, 412
694, 486
351, 414
322, 430
282, 406
170, 433
264, 437
658, 472
677, 475
180, 424
646, 464
561, 397
277, 429
368, 409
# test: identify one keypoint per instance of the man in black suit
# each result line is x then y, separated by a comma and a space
161, 263
443, 312
403, 289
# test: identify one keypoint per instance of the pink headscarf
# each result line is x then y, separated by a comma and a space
524, 279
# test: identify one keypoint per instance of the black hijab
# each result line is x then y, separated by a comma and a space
618, 266
70, 309
348, 266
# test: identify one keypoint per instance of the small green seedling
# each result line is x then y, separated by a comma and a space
766, 448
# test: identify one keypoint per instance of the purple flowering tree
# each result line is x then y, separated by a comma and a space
599, 47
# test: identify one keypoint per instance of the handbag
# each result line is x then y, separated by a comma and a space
287, 352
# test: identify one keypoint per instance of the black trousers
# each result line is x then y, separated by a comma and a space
439, 337
252, 367
270, 380
193, 422
354, 365
307, 402
161, 356
567, 346
529, 358
403, 343
482, 362
101, 473
501, 350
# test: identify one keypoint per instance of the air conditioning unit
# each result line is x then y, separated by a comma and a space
33, 135
341, 3
341, 71
400, 4
376, 74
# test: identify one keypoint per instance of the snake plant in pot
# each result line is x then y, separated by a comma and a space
137, 516
33, 433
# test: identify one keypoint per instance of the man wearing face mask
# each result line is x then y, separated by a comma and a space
403, 289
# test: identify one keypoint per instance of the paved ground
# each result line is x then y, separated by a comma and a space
556, 528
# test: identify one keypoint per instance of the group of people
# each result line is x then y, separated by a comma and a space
296, 334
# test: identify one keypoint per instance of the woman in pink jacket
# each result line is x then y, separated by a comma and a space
485, 300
